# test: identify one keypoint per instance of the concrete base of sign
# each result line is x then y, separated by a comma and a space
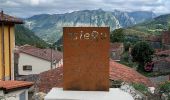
113, 94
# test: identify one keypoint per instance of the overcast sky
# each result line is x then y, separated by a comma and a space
27, 8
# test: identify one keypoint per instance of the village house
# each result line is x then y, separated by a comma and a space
162, 61
162, 54
154, 41
14, 90
166, 40
7, 38
116, 50
32, 60
162, 65
159, 41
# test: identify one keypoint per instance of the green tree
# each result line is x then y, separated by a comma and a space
117, 35
169, 28
127, 45
142, 53
25, 36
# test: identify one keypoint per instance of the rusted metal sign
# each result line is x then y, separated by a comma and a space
86, 58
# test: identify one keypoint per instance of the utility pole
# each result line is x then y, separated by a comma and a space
51, 56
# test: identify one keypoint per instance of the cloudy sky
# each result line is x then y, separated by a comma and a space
27, 8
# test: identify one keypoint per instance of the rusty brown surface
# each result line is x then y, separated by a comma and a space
86, 58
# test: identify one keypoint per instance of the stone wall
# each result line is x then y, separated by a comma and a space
166, 46
162, 66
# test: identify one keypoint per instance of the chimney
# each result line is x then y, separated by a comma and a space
2, 14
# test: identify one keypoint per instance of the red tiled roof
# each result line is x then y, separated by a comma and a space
165, 52
54, 78
41, 53
11, 19
115, 46
158, 50
7, 85
167, 59
127, 74
50, 79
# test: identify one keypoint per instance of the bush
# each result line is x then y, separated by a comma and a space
127, 60
127, 45
142, 53
117, 35
164, 87
141, 87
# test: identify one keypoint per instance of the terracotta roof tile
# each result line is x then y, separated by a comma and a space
158, 50
14, 84
50, 79
127, 74
8, 18
54, 78
165, 52
166, 59
41, 53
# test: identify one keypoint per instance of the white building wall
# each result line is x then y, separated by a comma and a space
38, 65
15, 95
60, 63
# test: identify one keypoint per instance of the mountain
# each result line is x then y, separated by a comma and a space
59, 42
25, 36
141, 16
49, 27
154, 26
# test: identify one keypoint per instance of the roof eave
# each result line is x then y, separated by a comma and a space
15, 89
11, 22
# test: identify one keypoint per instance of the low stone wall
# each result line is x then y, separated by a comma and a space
159, 79
166, 47
162, 67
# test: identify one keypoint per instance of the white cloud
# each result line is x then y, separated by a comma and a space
24, 8
12, 3
34, 2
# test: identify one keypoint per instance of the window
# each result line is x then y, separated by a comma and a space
113, 54
22, 96
27, 67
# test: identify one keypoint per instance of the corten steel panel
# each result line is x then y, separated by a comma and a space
86, 58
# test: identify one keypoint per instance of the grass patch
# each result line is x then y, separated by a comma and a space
141, 87
153, 74
165, 87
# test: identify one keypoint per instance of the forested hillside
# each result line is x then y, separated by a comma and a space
26, 36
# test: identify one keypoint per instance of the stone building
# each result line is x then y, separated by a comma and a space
154, 41
116, 50
166, 40
162, 62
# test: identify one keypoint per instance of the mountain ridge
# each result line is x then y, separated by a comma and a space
152, 27
49, 27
